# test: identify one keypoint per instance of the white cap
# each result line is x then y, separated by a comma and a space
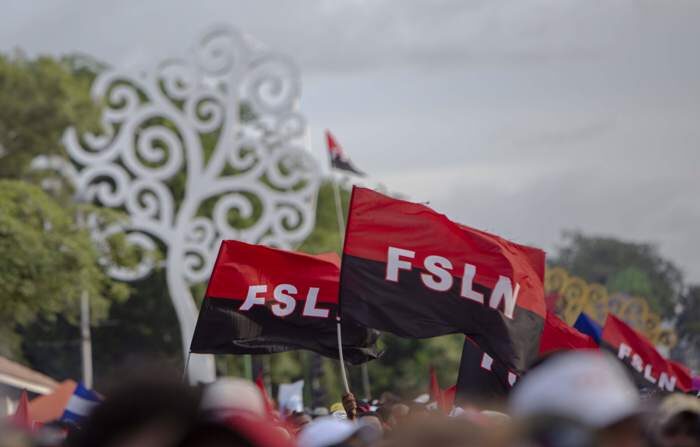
325, 431
587, 386
230, 393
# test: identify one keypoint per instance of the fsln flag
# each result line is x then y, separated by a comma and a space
262, 300
80, 404
482, 378
338, 158
411, 271
648, 367
558, 336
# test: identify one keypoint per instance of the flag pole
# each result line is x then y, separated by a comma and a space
187, 364
341, 231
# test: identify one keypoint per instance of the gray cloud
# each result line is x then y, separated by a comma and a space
522, 117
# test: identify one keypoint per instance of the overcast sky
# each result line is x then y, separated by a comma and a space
522, 117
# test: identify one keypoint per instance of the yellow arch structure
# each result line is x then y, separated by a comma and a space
576, 296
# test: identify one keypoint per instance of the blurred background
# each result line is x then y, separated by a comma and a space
569, 125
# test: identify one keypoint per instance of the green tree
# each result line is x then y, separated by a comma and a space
40, 98
688, 328
621, 266
47, 262
639, 269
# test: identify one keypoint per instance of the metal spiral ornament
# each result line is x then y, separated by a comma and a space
179, 123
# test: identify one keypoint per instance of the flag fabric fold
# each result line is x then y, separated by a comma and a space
482, 378
262, 300
411, 271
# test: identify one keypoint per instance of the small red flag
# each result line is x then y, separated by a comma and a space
338, 158
260, 382
448, 398
558, 336
21, 417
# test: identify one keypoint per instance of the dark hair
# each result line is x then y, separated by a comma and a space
212, 434
140, 403
685, 423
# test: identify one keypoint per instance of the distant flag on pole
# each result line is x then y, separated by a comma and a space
338, 158
81, 403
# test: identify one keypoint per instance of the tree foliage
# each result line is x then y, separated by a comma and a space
628, 267
47, 262
688, 327
40, 98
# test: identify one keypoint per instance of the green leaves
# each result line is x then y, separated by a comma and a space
48, 261
40, 98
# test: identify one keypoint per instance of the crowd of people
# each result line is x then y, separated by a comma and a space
576, 399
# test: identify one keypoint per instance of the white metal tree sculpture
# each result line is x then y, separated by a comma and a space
196, 151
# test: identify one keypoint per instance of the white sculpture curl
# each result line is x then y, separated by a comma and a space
229, 118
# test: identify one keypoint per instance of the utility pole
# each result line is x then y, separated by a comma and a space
86, 339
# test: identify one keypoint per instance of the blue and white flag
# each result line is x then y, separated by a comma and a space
589, 326
81, 403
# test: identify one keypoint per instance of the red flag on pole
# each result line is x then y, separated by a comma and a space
435, 391
411, 271
648, 366
262, 300
338, 158
21, 417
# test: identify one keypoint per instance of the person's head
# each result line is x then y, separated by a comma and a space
372, 419
588, 387
337, 410
230, 394
297, 420
154, 410
679, 421
549, 430
330, 431
398, 413
236, 430
432, 430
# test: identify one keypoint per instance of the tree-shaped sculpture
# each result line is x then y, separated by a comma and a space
196, 151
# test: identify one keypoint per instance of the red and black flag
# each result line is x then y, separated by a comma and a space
338, 158
413, 272
648, 368
262, 300
482, 378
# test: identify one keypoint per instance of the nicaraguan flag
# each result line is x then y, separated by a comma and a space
589, 326
81, 403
